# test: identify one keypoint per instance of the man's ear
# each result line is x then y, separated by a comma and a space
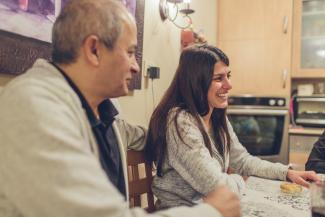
91, 49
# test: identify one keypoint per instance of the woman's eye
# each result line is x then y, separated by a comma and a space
217, 78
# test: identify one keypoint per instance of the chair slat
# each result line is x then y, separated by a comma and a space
138, 186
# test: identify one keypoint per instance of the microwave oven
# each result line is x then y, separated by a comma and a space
309, 111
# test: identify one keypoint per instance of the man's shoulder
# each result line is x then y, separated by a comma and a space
43, 74
36, 93
41, 79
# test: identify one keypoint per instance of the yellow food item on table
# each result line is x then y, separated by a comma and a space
290, 188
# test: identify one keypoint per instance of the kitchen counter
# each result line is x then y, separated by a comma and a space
306, 131
263, 198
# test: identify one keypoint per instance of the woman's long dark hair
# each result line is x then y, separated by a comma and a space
188, 91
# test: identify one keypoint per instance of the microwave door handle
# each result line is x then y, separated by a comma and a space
256, 112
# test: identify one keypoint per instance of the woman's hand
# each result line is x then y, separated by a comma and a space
301, 177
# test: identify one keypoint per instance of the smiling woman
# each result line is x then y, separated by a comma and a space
195, 148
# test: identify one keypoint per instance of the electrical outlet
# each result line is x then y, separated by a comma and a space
153, 72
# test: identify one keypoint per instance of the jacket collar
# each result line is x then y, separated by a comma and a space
106, 109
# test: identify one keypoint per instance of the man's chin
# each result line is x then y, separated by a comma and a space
121, 93
125, 91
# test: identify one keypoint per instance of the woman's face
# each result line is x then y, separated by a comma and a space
219, 87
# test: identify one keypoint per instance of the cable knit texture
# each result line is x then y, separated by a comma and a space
190, 172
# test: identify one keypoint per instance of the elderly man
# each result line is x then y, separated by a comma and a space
62, 150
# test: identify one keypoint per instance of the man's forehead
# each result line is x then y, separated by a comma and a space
130, 32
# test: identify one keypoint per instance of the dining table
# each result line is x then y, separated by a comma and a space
264, 198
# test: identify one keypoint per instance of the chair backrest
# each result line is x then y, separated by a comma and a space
140, 179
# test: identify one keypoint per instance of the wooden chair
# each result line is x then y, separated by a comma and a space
140, 185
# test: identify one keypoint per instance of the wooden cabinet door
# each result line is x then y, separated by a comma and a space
240, 19
260, 58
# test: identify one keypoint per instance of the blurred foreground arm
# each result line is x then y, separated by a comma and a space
225, 201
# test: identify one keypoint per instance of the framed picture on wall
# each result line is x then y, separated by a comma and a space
136, 7
30, 18
25, 32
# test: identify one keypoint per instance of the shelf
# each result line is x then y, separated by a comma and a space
313, 37
310, 99
313, 13
306, 131
309, 73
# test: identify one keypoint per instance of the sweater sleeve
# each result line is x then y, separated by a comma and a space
316, 159
188, 155
244, 163
133, 136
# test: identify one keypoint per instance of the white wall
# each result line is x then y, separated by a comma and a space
162, 49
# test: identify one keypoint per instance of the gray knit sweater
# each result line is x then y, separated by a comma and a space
190, 172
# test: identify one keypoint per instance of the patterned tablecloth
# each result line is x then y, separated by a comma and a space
263, 198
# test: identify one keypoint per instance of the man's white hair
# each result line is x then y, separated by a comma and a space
82, 18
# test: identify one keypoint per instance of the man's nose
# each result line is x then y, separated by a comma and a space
135, 67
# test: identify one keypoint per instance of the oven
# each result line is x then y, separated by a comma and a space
261, 125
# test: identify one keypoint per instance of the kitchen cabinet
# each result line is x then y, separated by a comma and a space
309, 39
256, 36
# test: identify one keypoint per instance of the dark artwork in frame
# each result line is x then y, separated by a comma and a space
18, 51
